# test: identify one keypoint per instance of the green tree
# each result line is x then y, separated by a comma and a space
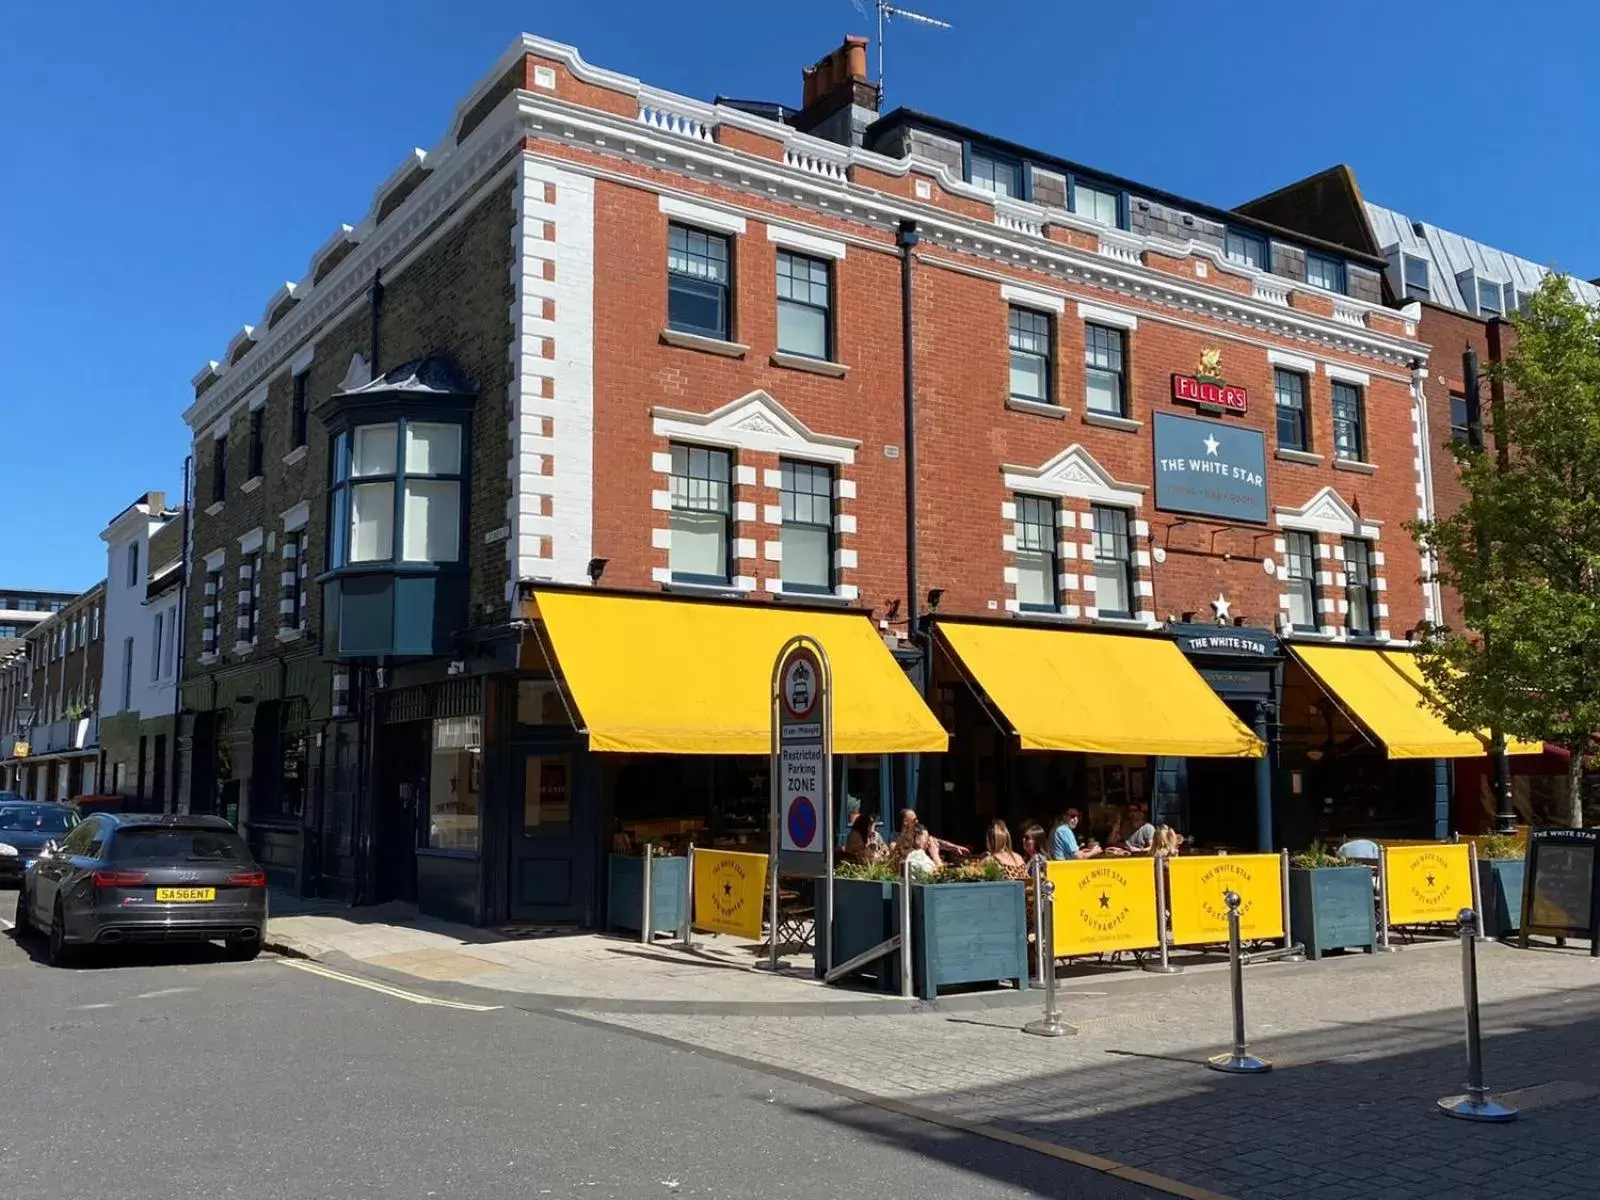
1523, 550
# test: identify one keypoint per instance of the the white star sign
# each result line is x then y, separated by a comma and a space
1224, 608
1211, 444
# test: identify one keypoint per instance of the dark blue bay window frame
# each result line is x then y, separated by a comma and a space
389, 606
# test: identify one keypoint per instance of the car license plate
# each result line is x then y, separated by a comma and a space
175, 895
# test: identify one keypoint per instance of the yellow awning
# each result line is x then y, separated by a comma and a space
1101, 693
1405, 662
667, 676
1383, 696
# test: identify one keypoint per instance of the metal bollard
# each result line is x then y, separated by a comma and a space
1477, 1104
1241, 1061
1163, 967
907, 984
1051, 1025
1036, 869
686, 930
649, 916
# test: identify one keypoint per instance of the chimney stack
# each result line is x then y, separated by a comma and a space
838, 101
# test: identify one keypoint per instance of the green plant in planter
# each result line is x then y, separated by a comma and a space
1501, 845
983, 871
881, 871
1314, 856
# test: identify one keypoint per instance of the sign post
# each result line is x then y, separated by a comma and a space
802, 778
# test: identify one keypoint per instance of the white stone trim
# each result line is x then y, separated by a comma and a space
215, 560
660, 574
661, 539
1292, 362
1029, 298
757, 423
221, 429
301, 362
250, 541
844, 489
718, 219
744, 547
661, 500
845, 559
772, 551
661, 462
295, 455
744, 510
258, 398
552, 512
1327, 512
296, 518
744, 475
772, 514
1346, 374
805, 243
1115, 318
772, 477
844, 522
1074, 475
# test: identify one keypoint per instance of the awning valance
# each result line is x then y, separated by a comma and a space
1100, 693
665, 676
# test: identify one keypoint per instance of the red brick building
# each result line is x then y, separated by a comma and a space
1105, 411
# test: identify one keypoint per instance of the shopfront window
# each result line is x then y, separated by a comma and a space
455, 784
396, 494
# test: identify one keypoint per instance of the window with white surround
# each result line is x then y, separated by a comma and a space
127, 674
1324, 272
158, 633
698, 282
1361, 616
1105, 383
1113, 562
292, 614
396, 493
1029, 336
807, 530
250, 597
1035, 531
299, 407
1490, 299
805, 320
171, 668
1300, 575
1349, 434
1289, 389
133, 565
701, 518
258, 441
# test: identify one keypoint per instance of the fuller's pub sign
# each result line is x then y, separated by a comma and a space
1206, 390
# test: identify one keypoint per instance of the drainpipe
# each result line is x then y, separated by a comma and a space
178, 646
1505, 809
907, 239
1419, 378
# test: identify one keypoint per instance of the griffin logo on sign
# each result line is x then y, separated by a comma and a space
1210, 364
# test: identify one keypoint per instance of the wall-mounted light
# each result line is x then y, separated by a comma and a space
597, 568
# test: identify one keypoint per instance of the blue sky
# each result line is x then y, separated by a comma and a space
166, 166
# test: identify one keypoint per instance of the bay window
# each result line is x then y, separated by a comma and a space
396, 494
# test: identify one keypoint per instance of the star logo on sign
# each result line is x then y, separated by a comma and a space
1105, 900
1430, 880
1211, 445
727, 889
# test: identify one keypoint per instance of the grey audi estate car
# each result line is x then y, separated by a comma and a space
130, 877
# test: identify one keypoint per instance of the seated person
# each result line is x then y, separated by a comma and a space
1000, 852
906, 838
1143, 834
864, 845
1034, 843
1166, 842
1064, 839
922, 858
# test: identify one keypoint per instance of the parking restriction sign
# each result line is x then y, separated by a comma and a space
802, 791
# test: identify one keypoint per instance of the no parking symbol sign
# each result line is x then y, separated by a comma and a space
803, 788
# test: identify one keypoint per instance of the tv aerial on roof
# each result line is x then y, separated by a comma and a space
886, 12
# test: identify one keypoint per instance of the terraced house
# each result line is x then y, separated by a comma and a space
50, 702
1093, 493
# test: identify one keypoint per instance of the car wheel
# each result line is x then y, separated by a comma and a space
242, 949
60, 954
24, 919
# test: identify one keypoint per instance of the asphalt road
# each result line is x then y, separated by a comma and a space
172, 1074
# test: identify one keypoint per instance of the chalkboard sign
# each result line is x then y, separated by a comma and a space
1559, 897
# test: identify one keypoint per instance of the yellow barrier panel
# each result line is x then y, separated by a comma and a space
1104, 904
1425, 884
729, 891
1195, 888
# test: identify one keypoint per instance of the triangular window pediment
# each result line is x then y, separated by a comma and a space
755, 422
1074, 474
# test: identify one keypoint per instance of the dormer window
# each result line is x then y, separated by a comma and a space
991, 172
1324, 272
1096, 204
1490, 302
1246, 249
1414, 273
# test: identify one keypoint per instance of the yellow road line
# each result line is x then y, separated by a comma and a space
384, 988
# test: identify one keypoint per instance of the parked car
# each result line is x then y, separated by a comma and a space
25, 828
119, 878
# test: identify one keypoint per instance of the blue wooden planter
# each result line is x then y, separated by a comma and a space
968, 933
961, 932
1500, 893
625, 892
1331, 908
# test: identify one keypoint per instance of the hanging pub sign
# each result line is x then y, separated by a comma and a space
1210, 469
1206, 390
1561, 887
802, 766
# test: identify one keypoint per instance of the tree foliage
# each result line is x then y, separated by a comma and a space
1524, 548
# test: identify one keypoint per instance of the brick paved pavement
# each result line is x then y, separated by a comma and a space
1362, 1047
